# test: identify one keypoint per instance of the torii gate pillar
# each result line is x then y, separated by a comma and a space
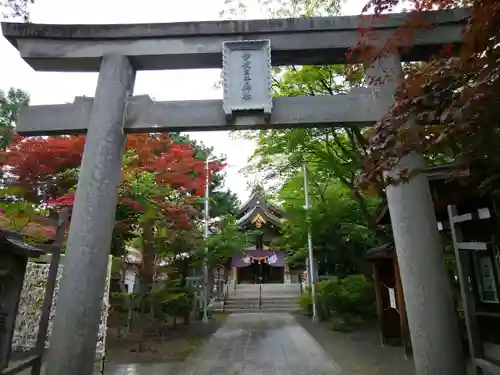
76, 324
432, 319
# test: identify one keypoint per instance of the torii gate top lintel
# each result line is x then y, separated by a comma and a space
197, 45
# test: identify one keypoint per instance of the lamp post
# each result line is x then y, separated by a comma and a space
311, 269
205, 236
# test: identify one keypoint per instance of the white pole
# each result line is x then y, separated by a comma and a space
105, 317
311, 269
205, 264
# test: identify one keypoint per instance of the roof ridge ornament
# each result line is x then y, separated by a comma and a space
258, 220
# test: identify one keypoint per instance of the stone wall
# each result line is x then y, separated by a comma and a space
30, 307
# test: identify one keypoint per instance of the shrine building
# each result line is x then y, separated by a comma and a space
260, 263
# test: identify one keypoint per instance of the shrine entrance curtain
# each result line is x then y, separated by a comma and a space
272, 258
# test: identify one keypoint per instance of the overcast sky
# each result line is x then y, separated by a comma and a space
55, 88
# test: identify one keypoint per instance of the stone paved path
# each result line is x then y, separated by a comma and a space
133, 369
261, 344
248, 344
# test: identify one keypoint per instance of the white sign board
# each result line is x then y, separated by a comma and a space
392, 298
246, 73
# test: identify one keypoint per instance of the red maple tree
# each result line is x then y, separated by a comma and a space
456, 92
35, 162
38, 166
174, 164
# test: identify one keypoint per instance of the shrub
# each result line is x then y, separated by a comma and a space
355, 296
174, 300
305, 302
347, 300
326, 292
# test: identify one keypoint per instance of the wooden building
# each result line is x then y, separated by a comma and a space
390, 299
469, 221
260, 263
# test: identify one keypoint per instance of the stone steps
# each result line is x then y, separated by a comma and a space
263, 306
263, 310
266, 306
250, 297
295, 287
281, 302
275, 298
292, 307
268, 291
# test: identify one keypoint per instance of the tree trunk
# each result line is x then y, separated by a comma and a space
148, 257
183, 272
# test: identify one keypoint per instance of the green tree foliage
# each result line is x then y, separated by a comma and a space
19, 215
340, 232
336, 154
342, 215
226, 241
282, 8
10, 105
345, 302
172, 299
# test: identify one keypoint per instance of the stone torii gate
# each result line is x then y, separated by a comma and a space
118, 51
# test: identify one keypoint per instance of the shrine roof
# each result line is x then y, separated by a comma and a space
381, 252
257, 208
13, 242
257, 198
258, 213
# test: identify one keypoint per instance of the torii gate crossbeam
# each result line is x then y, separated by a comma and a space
197, 45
